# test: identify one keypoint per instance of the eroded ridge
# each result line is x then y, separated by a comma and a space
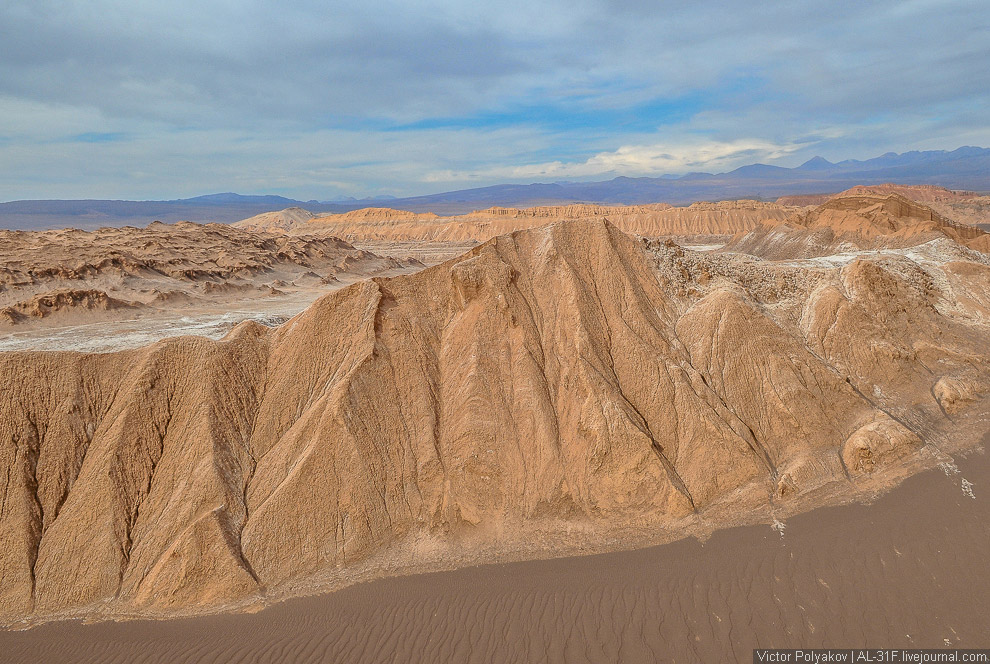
563, 379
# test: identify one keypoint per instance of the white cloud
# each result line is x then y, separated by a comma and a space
636, 160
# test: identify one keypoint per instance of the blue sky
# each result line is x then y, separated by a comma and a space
139, 100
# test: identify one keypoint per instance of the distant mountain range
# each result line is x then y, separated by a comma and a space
964, 168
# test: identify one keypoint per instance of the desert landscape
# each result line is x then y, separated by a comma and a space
575, 380
113, 288
404, 332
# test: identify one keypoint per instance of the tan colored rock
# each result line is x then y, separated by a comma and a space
954, 394
564, 375
281, 219
857, 220
68, 275
877, 443
919, 193
964, 207
62, 301
386, 225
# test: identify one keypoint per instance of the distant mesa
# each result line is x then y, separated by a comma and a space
924, 193
960, 206
384, 224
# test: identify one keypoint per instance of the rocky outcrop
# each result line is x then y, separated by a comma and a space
576, 211
856, 221
279, 220
73, 272
65, 301
384, 225
962, 207
566, 376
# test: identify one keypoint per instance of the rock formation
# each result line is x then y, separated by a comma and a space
281, 219
71, 273
856, 221
56, 302
564, 376
963, 207
384, 225
919, 193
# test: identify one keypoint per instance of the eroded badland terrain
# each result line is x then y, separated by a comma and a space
559, 380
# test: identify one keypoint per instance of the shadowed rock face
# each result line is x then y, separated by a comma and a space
563, 375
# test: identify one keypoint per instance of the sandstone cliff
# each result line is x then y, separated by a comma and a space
856, 221
384, 225
563, 377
